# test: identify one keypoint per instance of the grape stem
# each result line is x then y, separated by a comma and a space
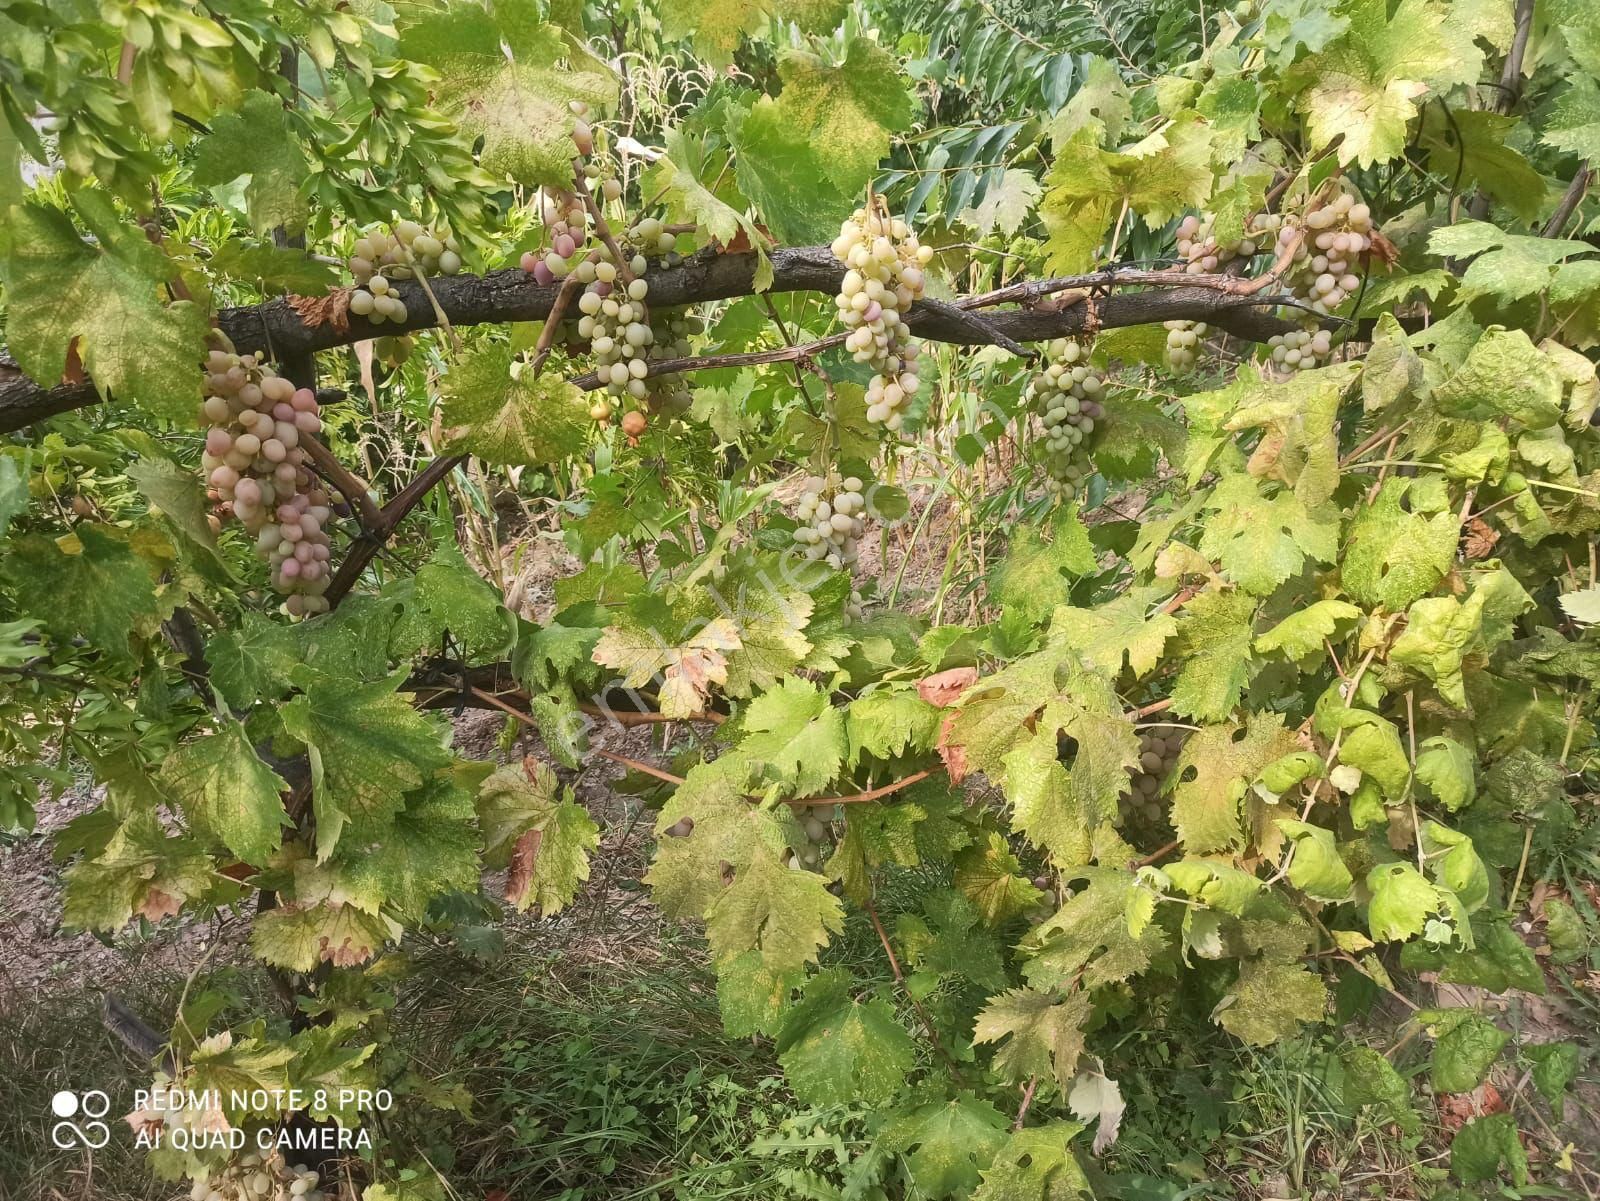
900, 979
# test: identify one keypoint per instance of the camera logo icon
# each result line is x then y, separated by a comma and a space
90, 1133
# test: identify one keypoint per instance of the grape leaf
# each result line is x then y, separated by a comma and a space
1394, 557
140, 869
299, 937
946, 1144
786, 915
1573, 123
751, 996
1029, 579
255, 140
1214, 637
1270, 1001
687, 875
446, 594
836, 1050
987, 874
1447, 768
368, 748
1477, 390
1305, 632
1261, 542
531, 420
1471, 145
1090, 934
176, 492
104, 300
796, 738
1402, 901
851, 109
228, 792
784, 174
1081, 197
1481, 1146
252, 661
1555, 1065
431, 849
1465, 1046
1005, 205
1370, 1079
887, 723
1214, 769
1316, 869
1036, 1164
1120, 628
651, 638
88, 584
502, 79
1365, 82
1040, 1033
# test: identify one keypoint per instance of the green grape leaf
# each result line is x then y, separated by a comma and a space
1477, 390
87, 584
1131, 446
229, 793
253, 660
851, 109
796, 738
1569, 939
177, 492
1364, 84
686, 876
1445, 766
104, 300
946, 1144
988, 875
1439, 631
1394, 557
888, 723
1036, 1164
679, 178
1370, 1079
1402, 901
1471, 145
952, 941
1465, 1046
503, 80
784, 174
1040, 1033
368, 748
299, 937
1030, 579
1058, 808
1092, 934
1573, 123
1485, 1143
1456, 864
1213, 643
1305, 632
836, 1050
13, 490
274, 268
1499, 960
1270, 1001
1260, 542
431, 849
1005, 205
446, 594
1373, 746
532, 420
1081, 198
255, 140
786, 915
1555, 1065
1316, 869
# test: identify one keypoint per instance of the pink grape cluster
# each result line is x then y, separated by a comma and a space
886, 276
1202, 254
255, 466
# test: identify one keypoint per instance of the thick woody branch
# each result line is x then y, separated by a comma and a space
512, 295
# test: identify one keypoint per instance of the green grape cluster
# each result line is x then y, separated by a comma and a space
256, 471
1067, 398
815, 837
672, 329
253, 1177
394, 349
829, 513
1323, 273
1158, 753
1183, 343
379, 257
1299, 348
885, 277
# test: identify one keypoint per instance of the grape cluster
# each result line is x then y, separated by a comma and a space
1066, 395
394, 350
671, 395
1158, 752
1299, 348
1203, 254
830, 522
815, 837
253, 1177
1323, 273
1183, 341
255, 469
379, 257
884, 279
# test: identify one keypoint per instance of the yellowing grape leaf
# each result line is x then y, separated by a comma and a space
1131, 627
1040, 1033
1090, 935
255, 140
787, 915
299, 936
228, 792
1036, 1164
104, 301
849, 109
1262, 541
531, 420
1215, 767
1394, 556
946, 1144
1214, 638
1270, 1001
140, 869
